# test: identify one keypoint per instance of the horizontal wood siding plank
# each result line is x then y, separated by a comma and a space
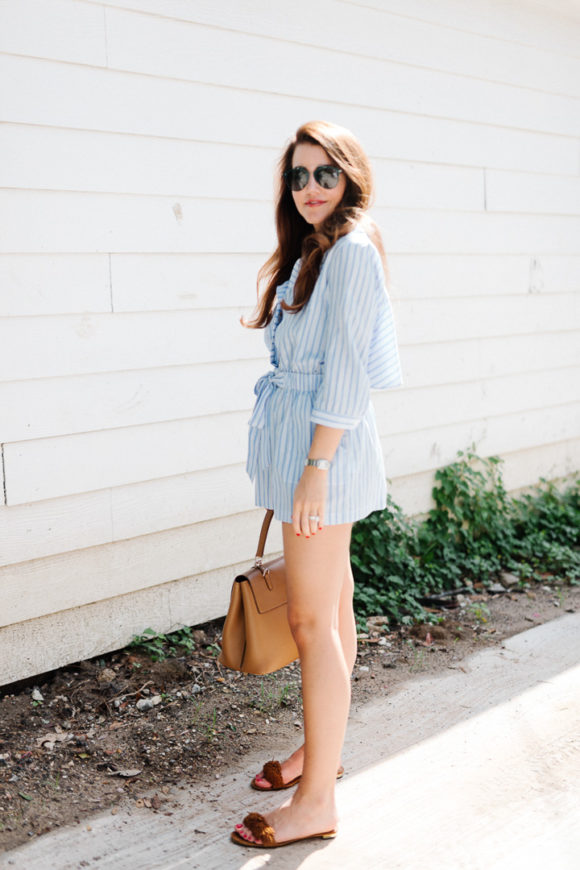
412, 452
46, 528
42, 284
397, 37
449, 403
33, 347
521, 22
161, 282
42, 408
414, 275
64, 30
469, 359
52, 467
105, 223
45, 93
112, 223
534, 194
84, 344
43, 586
163, 48
37, 284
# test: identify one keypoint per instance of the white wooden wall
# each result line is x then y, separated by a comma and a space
136, 169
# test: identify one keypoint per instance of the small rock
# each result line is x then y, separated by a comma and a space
496, 587
196, 689
199, 637
37, 694
507, 579
390, 662
156, 699
107, 675
364, 668
145, 704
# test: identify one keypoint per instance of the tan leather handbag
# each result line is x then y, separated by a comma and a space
256, 636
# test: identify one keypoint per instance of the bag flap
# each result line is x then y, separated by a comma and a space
268, 591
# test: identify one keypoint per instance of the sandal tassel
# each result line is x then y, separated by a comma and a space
273, 773
261, 830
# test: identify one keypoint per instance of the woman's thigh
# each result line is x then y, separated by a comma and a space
315, 569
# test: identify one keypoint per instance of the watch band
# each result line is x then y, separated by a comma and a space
319, 463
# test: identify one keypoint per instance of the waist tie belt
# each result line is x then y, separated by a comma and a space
259, 454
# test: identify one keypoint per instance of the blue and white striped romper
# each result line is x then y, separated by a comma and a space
326, 358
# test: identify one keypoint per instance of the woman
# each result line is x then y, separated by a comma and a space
314, 450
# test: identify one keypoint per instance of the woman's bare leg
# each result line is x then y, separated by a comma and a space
315, 573
293, 765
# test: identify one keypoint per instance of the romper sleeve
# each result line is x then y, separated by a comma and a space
354, 279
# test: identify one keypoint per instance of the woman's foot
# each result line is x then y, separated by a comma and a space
289, 770
294, 819
285, 774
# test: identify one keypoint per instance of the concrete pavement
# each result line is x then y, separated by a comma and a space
474, 769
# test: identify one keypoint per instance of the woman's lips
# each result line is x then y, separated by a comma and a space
314, 202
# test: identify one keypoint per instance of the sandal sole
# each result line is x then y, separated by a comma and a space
235, 837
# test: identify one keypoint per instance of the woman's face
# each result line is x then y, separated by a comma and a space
313, 202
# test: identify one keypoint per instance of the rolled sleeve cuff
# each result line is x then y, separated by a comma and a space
335, 421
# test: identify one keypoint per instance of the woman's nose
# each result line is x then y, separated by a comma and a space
311, 184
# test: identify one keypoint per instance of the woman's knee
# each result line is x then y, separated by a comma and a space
308, 626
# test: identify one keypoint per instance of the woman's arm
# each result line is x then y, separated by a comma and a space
310, 492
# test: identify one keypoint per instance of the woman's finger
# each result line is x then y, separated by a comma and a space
313, 519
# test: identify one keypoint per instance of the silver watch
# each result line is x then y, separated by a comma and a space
319, 463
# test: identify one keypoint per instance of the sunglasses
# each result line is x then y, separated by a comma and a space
325, 176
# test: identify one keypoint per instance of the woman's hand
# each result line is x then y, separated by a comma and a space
309, 500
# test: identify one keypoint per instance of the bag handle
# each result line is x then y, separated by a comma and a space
262, 540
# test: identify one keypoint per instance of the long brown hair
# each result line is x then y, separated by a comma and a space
296, 237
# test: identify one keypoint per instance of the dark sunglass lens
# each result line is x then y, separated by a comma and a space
327, 176
297, 178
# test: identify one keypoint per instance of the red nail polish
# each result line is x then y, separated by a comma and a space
297, 534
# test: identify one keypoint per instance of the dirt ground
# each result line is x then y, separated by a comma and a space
120, 728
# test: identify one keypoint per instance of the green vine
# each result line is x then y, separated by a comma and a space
475, 531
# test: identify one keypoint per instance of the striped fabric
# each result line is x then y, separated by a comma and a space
325, 361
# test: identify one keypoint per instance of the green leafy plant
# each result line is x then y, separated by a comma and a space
474, 531
160, 646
